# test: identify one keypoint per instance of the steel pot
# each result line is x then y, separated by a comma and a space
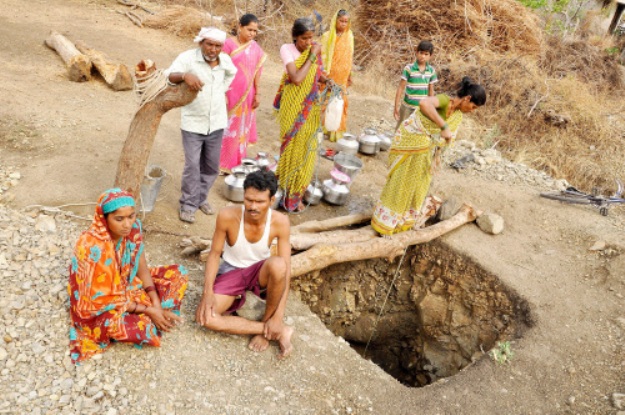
348, 164
335, 190
347, 144
263, 161
313, 193
386, 140
369, 143
233, 189
249, 165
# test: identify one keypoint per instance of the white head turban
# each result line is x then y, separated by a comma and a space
211, 33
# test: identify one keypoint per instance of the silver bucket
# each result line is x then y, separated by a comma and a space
151, 186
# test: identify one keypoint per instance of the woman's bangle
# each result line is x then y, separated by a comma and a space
149, 289
183, 75
312, 57
445, 126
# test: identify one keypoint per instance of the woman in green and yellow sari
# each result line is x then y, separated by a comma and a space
298, 113
418, 142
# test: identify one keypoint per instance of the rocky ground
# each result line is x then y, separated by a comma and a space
59, 143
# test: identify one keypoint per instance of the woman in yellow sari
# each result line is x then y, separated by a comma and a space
298, 113
338, 56
401, 206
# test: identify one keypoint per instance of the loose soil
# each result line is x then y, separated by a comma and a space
65, 139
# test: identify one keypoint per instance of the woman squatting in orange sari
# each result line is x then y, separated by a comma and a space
114, 296
338, 56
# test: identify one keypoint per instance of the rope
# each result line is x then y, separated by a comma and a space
149, 86
388, 293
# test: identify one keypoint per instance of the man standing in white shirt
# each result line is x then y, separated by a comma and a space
210, 72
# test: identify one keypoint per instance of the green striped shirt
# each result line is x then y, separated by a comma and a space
417, 83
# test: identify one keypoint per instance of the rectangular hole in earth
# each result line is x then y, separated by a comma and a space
443, 312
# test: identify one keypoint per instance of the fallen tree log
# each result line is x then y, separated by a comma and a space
78, 65
329, 224
116, 75
323, 255
303, 241
136, 151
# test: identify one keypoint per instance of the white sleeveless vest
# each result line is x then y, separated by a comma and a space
243, 253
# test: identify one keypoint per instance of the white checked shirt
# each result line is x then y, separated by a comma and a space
207, 112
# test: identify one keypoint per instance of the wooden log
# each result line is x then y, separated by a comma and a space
116, 75
78, 65
135, 5
140, 138
303, 241
323, 255
329, 224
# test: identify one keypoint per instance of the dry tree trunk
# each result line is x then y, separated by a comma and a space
140, 138
328, 224
78, 65
321, 256
303, 241
116, 75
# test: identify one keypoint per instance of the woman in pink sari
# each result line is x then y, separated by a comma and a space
243, 96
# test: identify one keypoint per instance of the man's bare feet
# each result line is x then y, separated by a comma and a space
258, 343
285, 342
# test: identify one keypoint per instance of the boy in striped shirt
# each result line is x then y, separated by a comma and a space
417, 82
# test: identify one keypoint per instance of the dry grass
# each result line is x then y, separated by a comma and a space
587, 151
390, 31
182, 21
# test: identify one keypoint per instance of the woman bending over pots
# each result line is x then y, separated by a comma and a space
417, 143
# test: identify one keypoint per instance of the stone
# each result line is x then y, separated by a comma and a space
15, 176
490, 223
253, 309
598, 246
450, 207
618, 400
46, 224
3, 354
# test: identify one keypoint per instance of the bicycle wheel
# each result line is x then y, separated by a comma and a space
566, 197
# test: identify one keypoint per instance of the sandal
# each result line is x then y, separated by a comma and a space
187, 216
207, 209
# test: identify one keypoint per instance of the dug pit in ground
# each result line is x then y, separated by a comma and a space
443, 312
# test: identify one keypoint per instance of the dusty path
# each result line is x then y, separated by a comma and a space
64, 138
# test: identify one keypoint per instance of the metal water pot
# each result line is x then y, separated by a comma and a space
347, 163
249, 165
386, 140
335, 190
369, 143
233, 184
347, 144
313, 193
263, 161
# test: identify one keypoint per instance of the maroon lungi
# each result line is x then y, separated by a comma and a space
237, 282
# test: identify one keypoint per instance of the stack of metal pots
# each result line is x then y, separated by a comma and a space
336, 189
233, 184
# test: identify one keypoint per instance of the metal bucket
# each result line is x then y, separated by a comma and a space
151, 186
